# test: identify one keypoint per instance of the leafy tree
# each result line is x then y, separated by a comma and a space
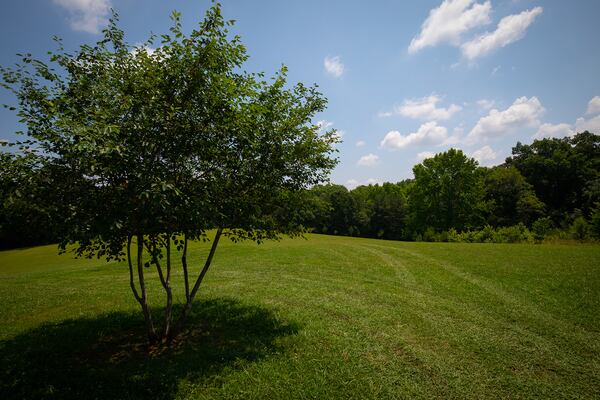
595, 221
22, 221
147, 150
562, 171
510, 198
542, 227
447, 193
580, 229
337, 211
386, 209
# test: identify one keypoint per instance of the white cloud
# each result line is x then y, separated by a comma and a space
524, 112
591, 125
352, 183
368, 160
323, 125
373, 181
446, 23
553, 131
425, 109
428, 133
509, 30
424, 154
140, 47
594, 105
334, 66
339, 134
455, 138
485, 104
360, 143
485, 155
86, 15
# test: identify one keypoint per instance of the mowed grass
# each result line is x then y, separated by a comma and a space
327, 317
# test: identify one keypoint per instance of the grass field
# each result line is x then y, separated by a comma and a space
327, 317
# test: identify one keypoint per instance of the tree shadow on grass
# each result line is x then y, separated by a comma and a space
107, 356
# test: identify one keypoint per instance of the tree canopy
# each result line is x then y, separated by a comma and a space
153, 145
447, 192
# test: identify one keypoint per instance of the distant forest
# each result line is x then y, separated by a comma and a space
548, 189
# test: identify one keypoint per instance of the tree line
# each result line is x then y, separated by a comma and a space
548, 188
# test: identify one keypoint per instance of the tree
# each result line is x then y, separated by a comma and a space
385, 208
564, 172
447, 192
148, 149
510, 198
335, 211
22, 221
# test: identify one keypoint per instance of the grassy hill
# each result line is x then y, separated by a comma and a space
327, 317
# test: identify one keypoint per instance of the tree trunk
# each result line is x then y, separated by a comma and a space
169, 308
144, 299
185, 269
188, 305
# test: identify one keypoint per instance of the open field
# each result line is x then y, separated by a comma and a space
327, 317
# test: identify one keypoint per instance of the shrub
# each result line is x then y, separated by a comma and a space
595, 221
541, 228
485, 235
429, 235
453, 236
513, 234
580, 229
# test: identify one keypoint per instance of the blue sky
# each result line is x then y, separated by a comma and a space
404, 79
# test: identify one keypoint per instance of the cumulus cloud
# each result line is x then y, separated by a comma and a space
446, 23
339, 134
594, 105
591, 125
352, 183
524, 112
423, 155
373, 181
425, 109
323, 125
368, 160
360, 143
509, 30
334, 66
428, 133
485, 155
86, 15
485, 104
553, 131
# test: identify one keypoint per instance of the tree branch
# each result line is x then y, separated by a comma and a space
131, 282
188, 305
185, 269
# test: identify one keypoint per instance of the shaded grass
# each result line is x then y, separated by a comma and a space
328, 317
108, 357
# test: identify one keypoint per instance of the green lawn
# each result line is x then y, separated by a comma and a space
327, 317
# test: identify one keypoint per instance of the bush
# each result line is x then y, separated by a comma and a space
453, 236
441, 237
513, 234
541, 228
429, 235
595, 221
485, 235
580, 229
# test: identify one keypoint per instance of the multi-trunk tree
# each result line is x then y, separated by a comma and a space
148, 147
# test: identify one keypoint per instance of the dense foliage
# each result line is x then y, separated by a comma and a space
548, 188
132, 151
